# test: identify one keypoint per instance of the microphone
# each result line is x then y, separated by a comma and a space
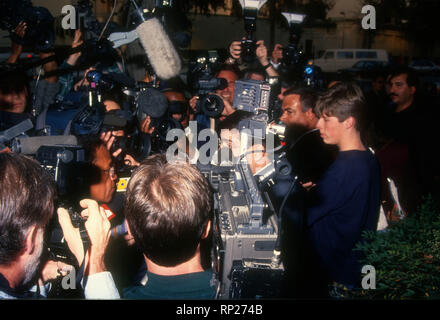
151, 102
32, 144
14, 131
160, 51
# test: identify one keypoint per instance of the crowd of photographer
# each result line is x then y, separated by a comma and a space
351, 156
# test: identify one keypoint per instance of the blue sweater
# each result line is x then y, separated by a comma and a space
347, 203
195, 285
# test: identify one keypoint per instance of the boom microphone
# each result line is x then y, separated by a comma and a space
160, 51
32, 144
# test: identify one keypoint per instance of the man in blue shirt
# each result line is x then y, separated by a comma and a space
346, 198
348, 195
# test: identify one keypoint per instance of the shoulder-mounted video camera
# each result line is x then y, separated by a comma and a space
201, 75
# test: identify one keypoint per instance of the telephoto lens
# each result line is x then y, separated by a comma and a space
211, 105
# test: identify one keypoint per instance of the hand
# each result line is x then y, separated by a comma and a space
308, 185
145, 126
6, 150
130, 161
77, 41
232, 140
71, 235
16, 48
54, 269
277, 53
257, 158
109, 139
83, 81
261, 53
20, 30
235, 50
228, 108
193, 104
98, 229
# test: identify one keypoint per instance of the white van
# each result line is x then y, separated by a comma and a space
334, 59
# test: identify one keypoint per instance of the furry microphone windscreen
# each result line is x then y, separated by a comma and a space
160, 51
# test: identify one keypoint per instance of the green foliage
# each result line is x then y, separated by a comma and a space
406, 257
416, 18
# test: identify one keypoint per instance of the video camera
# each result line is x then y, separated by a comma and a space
153, 103
39, 33
201, 76
209, 103
246, 225
7, 136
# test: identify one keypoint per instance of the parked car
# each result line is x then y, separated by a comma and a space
424, 65
333, 60
364, 69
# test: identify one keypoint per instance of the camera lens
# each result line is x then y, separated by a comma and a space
212, 105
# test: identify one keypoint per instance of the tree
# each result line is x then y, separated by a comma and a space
417, 19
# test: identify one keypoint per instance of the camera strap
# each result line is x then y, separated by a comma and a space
80, 273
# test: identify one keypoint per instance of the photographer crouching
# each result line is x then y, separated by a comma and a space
27, 196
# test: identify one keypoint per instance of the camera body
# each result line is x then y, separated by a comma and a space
248, 49
100, 80
245, 232
246, 226
252, 96
209, 103
248, 45
65, 164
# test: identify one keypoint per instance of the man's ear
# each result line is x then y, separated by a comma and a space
310, 115
349, 123
413, 90
31, 239
207, 229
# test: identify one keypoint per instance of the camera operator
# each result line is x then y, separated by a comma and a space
231, 74
168, 210
27, 197
260, 52
73, 71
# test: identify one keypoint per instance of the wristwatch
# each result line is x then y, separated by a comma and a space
267, 66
